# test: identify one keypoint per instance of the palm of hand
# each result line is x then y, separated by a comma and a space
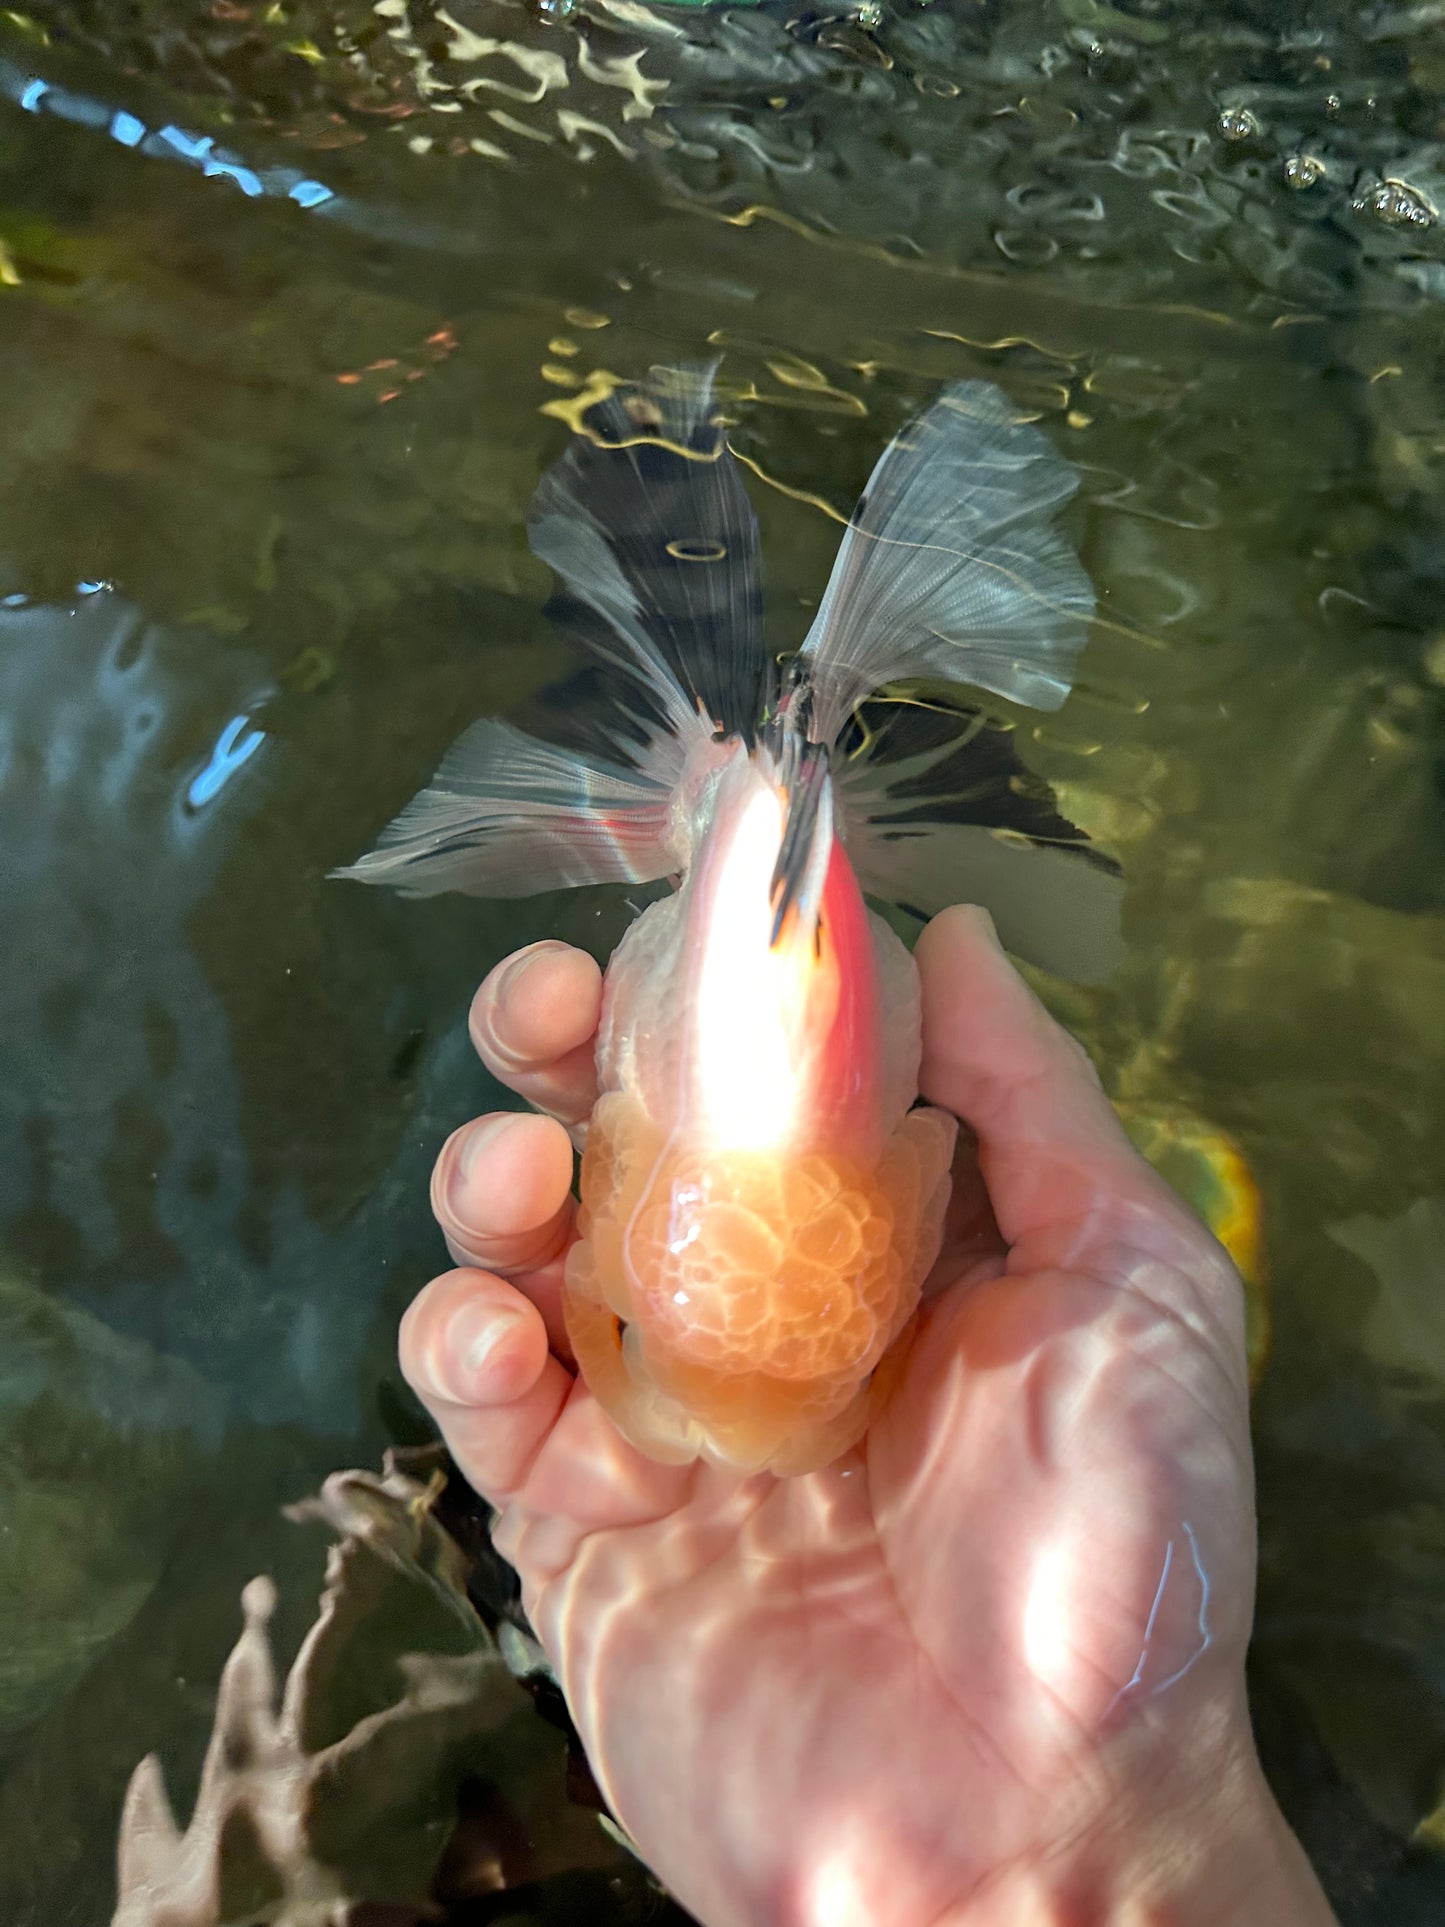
794, 1692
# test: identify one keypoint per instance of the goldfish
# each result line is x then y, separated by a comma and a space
762, 1197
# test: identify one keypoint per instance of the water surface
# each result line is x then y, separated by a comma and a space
295, 305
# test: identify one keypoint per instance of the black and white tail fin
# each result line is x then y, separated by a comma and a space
650, 533
952, 568
952, 571
508, 815
938, 808
646, 522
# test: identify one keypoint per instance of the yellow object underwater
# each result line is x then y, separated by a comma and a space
1210, 1173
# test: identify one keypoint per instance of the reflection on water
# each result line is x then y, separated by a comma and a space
169, 142
283, 442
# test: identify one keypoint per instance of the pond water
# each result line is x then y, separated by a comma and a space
296, 302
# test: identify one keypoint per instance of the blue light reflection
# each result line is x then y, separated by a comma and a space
169, 142
231, 751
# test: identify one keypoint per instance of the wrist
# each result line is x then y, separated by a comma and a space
1169, 1841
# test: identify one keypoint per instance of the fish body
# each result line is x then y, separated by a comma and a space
759, 1202
761, 1196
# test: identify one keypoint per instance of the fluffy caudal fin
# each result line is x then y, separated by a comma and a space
509, 816
937, 808
653, 541
646, 522
952, 569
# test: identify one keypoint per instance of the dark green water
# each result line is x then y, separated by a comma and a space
285, 397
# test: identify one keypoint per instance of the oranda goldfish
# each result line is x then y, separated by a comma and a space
761, 1199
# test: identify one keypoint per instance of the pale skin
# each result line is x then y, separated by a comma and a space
988, 1669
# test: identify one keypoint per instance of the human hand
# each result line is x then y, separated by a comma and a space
987, 1667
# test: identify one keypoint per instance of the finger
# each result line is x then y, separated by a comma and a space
1053, 1154
502, 1191
534, 1024
474, 1351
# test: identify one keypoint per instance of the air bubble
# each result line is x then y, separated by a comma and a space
1397, 204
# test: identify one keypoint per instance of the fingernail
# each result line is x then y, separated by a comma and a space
477, 1139
511, 978
474, 1336
985, 925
